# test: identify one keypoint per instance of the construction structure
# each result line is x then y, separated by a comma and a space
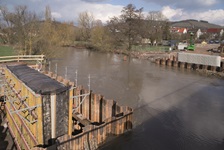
46, 111
193, 61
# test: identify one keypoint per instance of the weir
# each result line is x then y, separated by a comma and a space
193, 61
46, 111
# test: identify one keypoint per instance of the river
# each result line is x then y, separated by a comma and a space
174, 109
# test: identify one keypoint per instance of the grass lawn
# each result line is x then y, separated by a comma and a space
150, 48
6, 51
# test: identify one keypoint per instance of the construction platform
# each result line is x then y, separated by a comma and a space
46, 111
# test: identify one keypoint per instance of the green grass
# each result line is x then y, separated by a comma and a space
150, 48
6, 51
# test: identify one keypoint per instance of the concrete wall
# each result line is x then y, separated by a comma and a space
199, 59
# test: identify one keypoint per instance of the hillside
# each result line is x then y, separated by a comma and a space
194, 24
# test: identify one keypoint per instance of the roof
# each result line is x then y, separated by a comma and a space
182, 30
38, 82
214, 30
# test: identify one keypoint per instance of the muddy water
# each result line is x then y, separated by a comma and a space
173, 109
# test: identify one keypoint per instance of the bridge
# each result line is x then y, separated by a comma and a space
42, 110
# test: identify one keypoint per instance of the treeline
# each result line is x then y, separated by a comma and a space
31, 33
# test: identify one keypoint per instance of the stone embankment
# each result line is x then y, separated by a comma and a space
151, 55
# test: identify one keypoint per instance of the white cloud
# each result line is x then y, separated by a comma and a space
213, 16
207, 2
172, 13
190, 4
56, 15
68, 10
105, 11
100, 11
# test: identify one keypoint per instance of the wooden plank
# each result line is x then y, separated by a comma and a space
18, 58
70, 103
25, 56
84, 121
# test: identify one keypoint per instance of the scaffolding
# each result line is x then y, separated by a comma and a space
15, 106
81, 97
76, 97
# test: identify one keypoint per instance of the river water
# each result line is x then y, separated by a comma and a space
174, 109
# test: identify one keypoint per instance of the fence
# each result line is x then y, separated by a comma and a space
19, 58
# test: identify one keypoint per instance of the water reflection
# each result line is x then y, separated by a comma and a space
174, 109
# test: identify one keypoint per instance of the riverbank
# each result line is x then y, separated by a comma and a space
6, 50
146, 55
152, 55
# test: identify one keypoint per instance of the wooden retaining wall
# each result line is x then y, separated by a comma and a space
27, 135
92, 135
86, 127
106, 117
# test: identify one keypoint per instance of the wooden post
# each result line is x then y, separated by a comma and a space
158, 61
189, 65
175, 64
169, 62
182, 65
204, 67
213, 68
70, 104
163, 61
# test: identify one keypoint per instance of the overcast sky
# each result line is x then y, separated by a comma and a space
174, 10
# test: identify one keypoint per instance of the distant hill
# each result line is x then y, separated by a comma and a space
194, 24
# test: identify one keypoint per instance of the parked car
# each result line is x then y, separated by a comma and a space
217, 41
211, 41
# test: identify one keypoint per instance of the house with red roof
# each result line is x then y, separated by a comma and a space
215, 32
179, 30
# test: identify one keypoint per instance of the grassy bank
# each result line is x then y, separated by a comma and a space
6, 51
148, 48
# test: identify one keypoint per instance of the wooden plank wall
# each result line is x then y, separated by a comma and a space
93, 136
26, 133
107, 117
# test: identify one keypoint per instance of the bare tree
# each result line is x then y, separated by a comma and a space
6, 25
114, 26
100, 37
48, 16
19, 27
26, 26
156, 23
127, 25
156, 16
86, 22
132, 18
